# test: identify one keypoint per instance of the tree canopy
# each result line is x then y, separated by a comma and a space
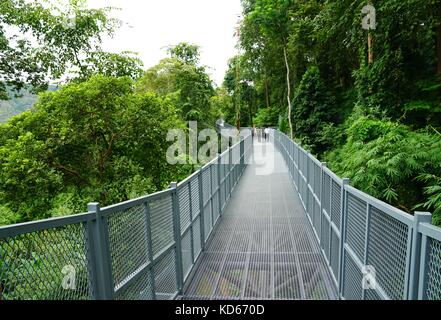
40, 41
344, 81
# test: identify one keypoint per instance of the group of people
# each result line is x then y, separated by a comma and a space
261, 134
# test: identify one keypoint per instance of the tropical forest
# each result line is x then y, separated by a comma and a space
343, 96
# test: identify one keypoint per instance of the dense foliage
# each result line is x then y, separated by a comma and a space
85, 142
98, 136
181, 79
371, 109
40, 41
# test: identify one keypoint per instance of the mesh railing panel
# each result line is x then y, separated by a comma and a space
335, 253
434, 271
214, 179
387, 252
309, 204
165, 277
317, 180
195, 206
208, 220
356, 224
128, 241
142, 289
353, 280
187, 260
34, 265
184, 206
223, 194
372, 295
326, 193
325, 237
236, 154
206, 184
161, 217
197, 244
336, 203
316, 208
216, 212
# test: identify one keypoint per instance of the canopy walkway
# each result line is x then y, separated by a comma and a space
263, 220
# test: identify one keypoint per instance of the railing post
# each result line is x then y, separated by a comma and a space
177, 235
307, 200
424, 268
343, 213
416, 252
322, 192
150, 247
201, 210
219, 184
98, 257
211, 196
190, 200
366, 241
297, 183
230, 165
242, 154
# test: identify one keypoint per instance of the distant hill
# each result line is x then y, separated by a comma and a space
18, 104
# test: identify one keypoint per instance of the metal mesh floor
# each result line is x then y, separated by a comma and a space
264, 246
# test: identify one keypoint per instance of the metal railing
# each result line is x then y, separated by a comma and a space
140, 249
364, 238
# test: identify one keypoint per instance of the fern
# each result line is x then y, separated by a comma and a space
392, 162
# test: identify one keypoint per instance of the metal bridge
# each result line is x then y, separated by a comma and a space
263, 220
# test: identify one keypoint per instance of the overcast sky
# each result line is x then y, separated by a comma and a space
151, 25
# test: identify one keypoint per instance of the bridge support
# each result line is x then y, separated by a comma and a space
177, 235
98, 256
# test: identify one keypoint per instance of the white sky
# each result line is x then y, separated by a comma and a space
152, 25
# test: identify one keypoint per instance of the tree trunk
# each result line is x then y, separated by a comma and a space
266, 91
370, 48
238, 101
288, 97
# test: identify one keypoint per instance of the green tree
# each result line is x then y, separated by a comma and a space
96, 140
186, 52
124, 64
185, 83
271, 20
49, 40
314, 108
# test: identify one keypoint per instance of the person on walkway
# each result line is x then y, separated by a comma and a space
266, 134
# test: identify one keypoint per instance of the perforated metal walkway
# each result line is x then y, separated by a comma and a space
264, 246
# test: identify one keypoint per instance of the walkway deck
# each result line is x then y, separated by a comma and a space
264, 246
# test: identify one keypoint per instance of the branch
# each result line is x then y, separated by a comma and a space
70, 171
